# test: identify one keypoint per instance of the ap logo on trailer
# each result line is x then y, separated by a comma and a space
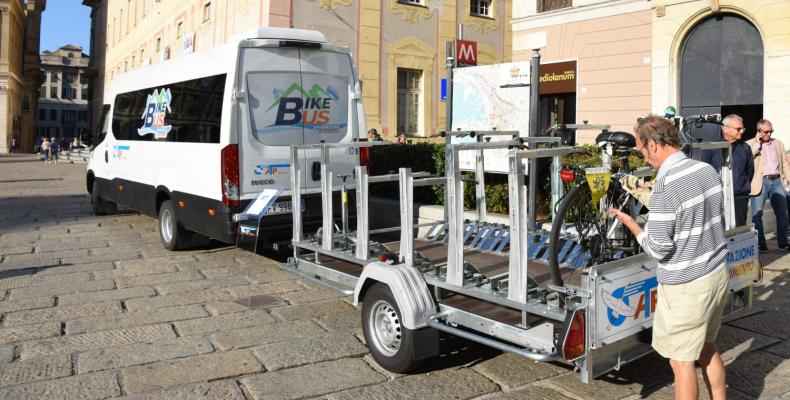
157, 105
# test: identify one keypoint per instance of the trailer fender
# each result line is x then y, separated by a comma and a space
414, 299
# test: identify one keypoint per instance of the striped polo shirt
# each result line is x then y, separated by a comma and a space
685, 227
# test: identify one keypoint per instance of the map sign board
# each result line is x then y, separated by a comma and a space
490, 97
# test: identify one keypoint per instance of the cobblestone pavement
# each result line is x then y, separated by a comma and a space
94, 307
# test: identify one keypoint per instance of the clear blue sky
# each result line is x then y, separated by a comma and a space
66, 22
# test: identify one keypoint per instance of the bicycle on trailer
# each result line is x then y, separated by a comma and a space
581, 214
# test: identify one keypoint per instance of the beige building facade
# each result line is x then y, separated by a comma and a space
676, 23
12, 35
610, 43
398, 45
635, 57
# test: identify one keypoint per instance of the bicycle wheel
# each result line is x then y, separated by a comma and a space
589, 229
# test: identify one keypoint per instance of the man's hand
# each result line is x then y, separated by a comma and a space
627, 221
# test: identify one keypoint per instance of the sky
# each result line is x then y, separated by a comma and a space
66, 22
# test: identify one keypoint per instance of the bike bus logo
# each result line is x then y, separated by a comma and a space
307, 109
158, 104
630, 301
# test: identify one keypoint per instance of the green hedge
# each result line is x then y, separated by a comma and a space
430, 157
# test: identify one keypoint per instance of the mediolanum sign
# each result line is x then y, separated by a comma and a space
558, 77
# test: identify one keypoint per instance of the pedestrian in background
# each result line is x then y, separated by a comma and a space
742, 165
402, 139
53, 151
685, 234
46, 145
373, 135
771, 174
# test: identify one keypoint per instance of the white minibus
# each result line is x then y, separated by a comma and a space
191, 141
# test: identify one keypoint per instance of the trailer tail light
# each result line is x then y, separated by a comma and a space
230, 175
575, 344
567, 175
364, 156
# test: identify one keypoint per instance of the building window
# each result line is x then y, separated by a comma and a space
409, 84
84, 79
158, 44
68, 93
82, 116
42, 114
85, 94
68, 77
551, 5
53, 92
481, 8
413, 2
53, 115
206, 11
180, 29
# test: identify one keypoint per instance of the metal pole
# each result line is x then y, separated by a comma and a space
534, 102
448, 105
362, 212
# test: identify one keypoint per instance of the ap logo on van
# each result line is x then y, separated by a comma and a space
311, 109
157, 105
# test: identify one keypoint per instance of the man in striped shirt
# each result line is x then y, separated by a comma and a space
685, 234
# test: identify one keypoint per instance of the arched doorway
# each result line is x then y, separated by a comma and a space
721, 69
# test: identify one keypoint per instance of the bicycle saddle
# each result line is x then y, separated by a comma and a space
618, 139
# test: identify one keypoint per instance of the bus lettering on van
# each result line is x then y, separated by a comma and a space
157, 105
311, 109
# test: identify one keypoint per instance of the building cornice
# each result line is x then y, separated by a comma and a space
581, 13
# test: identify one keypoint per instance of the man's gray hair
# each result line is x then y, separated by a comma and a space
762, 122
659, 130
730, 118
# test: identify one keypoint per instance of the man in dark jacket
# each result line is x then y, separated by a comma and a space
742, 165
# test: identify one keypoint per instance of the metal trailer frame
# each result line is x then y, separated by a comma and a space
351, 263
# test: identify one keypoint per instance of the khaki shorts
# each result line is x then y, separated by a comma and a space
688, 315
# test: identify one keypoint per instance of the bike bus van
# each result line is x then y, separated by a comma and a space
192, 141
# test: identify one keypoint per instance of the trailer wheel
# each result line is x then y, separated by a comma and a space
391, 344
99, 205
171, 233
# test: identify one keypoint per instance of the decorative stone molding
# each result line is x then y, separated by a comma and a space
481, 24
411, 13
3, 89
332, 4
245, 5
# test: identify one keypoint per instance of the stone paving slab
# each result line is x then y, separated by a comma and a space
129, 319
99, 385
203, 284
748, 374
447, 384
310, 310
293, 353
42, 280
26, 304
225, 390
531, 392
149, 280
67, 269
106, 295
180, 299
6, 353
61, 313
225, 307
54, 289
265, 288
248, 337
189, 370
312, 380
511, 371
222, 322
95, 340
771, 323
141, 353
29, 332
36, 369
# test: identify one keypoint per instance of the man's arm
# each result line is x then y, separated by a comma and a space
657, 237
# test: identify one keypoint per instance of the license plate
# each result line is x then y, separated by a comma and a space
281, 207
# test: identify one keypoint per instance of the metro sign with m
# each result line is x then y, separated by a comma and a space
465, 52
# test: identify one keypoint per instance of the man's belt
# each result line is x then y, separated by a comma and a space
771, 177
